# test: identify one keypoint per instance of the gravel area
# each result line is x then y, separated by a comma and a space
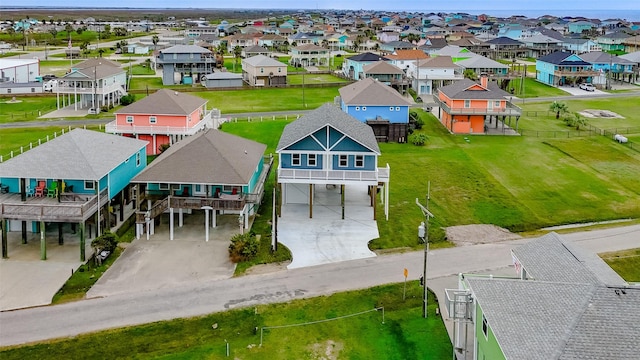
478, 234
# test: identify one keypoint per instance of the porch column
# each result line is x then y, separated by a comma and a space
24, 232
206, 222
3, 225
373, 202
310, 201
82, 241
342, 199
214, 218
60, 237
122, 206
170, 223
180, 217
23, 190
386, 200
43, 241
246, 217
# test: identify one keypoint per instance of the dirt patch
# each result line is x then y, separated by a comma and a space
590, 113
478, 234
267, 268
329, 350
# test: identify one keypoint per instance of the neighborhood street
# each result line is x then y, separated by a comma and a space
36, 324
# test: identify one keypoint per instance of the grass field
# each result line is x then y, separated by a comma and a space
626, 263
403, 334
142, 69
26, 109
314, 79
533, 89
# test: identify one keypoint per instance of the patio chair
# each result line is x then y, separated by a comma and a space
29, 191
52, 190
40, 189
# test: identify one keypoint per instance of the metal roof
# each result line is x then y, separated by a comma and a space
77, 155
261, 60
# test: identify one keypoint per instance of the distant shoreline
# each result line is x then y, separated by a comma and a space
601, 14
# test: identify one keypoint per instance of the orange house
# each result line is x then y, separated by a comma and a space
163, 118
468, 107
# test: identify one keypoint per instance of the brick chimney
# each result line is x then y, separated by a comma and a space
484, 80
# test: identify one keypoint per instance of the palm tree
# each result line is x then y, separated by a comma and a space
558, 107
469, 74
68, 28
155, 40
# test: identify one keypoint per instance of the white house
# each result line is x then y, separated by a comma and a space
433, 73
20, 76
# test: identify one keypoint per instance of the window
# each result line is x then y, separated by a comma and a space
231, 189
467, 103
33, 90
295, 159
390, 108
89, 185
152, 120
279, 70
8, 91
364, 108
188, 118
359, 161
343, 161
311, 160
357, 108
397, 108
130, 119
485, 327
191, 56
138, 159
162, 186
175, 56
261, 70
497, 103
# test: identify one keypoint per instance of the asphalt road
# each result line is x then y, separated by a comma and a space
199, 298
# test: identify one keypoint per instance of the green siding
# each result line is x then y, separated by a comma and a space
488, 348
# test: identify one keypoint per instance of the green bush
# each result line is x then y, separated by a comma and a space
418, 139
107, 241
243, 247
127, 99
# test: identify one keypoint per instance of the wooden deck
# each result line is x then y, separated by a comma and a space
70, 207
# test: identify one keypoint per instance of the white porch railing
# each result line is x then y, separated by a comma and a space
207, 121
379, 175
65, 89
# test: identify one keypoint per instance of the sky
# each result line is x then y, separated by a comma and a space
429, 5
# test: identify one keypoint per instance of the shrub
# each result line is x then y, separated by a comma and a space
127, 99
104, 108
163, 147
107, 241
418, 139
243, 247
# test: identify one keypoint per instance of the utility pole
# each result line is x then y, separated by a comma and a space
427, 214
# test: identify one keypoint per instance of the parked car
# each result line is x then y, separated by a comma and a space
587, 87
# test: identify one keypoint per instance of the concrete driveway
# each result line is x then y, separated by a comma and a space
576, 91
160, 263
326, 238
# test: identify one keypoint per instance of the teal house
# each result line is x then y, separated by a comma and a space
211, 172
328, 148
74, 178
563, 68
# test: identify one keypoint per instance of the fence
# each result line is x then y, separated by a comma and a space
285, 117
22, 149
558, 133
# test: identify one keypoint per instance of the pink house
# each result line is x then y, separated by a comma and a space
163, 118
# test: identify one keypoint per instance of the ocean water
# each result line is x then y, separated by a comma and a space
629, 15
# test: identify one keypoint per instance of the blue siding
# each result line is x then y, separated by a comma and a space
307, 144
321, 135
369, 163
334, 136
368, 112
347, 144
285, 162
120, 176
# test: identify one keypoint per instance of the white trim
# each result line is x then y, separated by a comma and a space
296, 159
355, 161
346, 158
311, 157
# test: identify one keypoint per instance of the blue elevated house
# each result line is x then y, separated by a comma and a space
329, 148
211, 172
563, 68
353, 67
75, 178
609, 65
185, 64
379, 106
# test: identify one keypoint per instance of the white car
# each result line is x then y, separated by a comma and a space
587, 87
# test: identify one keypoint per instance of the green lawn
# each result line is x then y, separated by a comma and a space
533, 89
268, 99
314, 79
403, 334
142, 69
13, 139
56, 67
26, 109
626, 263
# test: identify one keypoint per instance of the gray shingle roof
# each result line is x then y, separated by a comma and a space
530, 319
438, 62
599, 57
210, 157
382, 67
261, 60
77, 155
185, 49
371, 92
481, 62
459, 90
165, 102
328, 115
551, 258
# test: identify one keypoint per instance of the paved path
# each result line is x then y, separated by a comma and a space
36, 324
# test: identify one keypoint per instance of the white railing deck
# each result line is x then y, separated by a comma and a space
114, 128
64, 89
380, 175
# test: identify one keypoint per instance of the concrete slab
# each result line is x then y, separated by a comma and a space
326, 238
576, 91
160, 263
27, 281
